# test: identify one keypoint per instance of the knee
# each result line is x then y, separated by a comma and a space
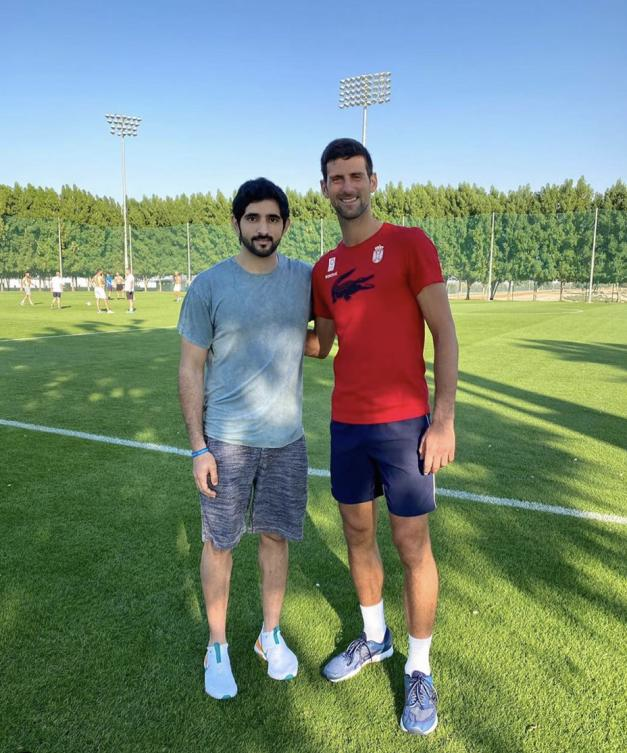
272, 539
413, 552
210, 550
358, 534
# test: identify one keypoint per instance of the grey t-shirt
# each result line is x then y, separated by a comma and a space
254, 326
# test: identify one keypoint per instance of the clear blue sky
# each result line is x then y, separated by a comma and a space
494, 93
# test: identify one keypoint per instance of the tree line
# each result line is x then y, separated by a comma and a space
542, 235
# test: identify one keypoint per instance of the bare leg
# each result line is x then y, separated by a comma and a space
273, 563
412, 540
360, 531
215, 574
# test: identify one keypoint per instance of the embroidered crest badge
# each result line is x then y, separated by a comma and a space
331, 266
377, 254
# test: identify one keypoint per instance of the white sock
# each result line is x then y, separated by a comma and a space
374, 622
267, 638
418, 655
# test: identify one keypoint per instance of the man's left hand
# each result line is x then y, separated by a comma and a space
437, 447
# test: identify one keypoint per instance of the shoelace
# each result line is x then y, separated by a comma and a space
356, 646
421, 691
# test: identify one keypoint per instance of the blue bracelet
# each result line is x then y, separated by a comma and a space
196, 453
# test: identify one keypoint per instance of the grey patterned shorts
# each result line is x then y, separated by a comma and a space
259, 490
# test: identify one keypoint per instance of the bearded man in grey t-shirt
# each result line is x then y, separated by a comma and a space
243, 326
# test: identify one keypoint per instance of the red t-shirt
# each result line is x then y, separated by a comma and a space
369, 291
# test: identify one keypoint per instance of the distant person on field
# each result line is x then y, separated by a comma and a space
56, 285
243, 324
129, 289
178, 286
100, 293
26, 285
118, 281
109, 285
376, 290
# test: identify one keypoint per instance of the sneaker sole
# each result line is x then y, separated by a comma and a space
374, 660
260, 653
422, 733
220, 697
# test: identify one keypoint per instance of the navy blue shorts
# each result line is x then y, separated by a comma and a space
368, 460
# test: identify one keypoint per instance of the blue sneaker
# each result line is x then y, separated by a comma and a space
219, 680
420, 713
359, 653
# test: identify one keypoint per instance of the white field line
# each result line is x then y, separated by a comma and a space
120, 331
321, 472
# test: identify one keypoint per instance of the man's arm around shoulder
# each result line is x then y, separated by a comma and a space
320, 339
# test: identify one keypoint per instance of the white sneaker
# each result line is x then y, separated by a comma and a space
282, 661
219, 680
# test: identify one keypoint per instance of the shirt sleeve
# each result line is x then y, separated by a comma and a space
423, 261
195, 319
319, 304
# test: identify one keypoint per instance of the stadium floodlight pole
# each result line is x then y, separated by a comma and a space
122, 126
130, 249
189, 245
363, 91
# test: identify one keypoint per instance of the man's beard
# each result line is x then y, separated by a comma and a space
261, 253
351, 212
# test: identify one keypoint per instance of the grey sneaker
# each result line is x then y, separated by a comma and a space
358, 653
420, 714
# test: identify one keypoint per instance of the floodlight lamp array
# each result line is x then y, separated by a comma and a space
123, 125
368, 89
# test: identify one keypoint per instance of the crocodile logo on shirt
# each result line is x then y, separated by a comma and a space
346, 289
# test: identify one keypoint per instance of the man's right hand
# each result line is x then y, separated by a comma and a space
205, 469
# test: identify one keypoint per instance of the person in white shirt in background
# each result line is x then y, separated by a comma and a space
129, 289
56, 285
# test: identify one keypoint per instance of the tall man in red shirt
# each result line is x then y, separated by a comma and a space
375, 291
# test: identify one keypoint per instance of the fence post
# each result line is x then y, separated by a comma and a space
321, 236
491, 257
60, 255
594, 246
189, 258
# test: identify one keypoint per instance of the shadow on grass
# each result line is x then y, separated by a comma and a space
606, 427
135, 586
607, 354
110, 604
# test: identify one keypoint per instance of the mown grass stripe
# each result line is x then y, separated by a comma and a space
321, 472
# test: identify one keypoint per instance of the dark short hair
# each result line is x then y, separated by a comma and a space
344, 149
256, 190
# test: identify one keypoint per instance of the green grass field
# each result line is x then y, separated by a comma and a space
102, 624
